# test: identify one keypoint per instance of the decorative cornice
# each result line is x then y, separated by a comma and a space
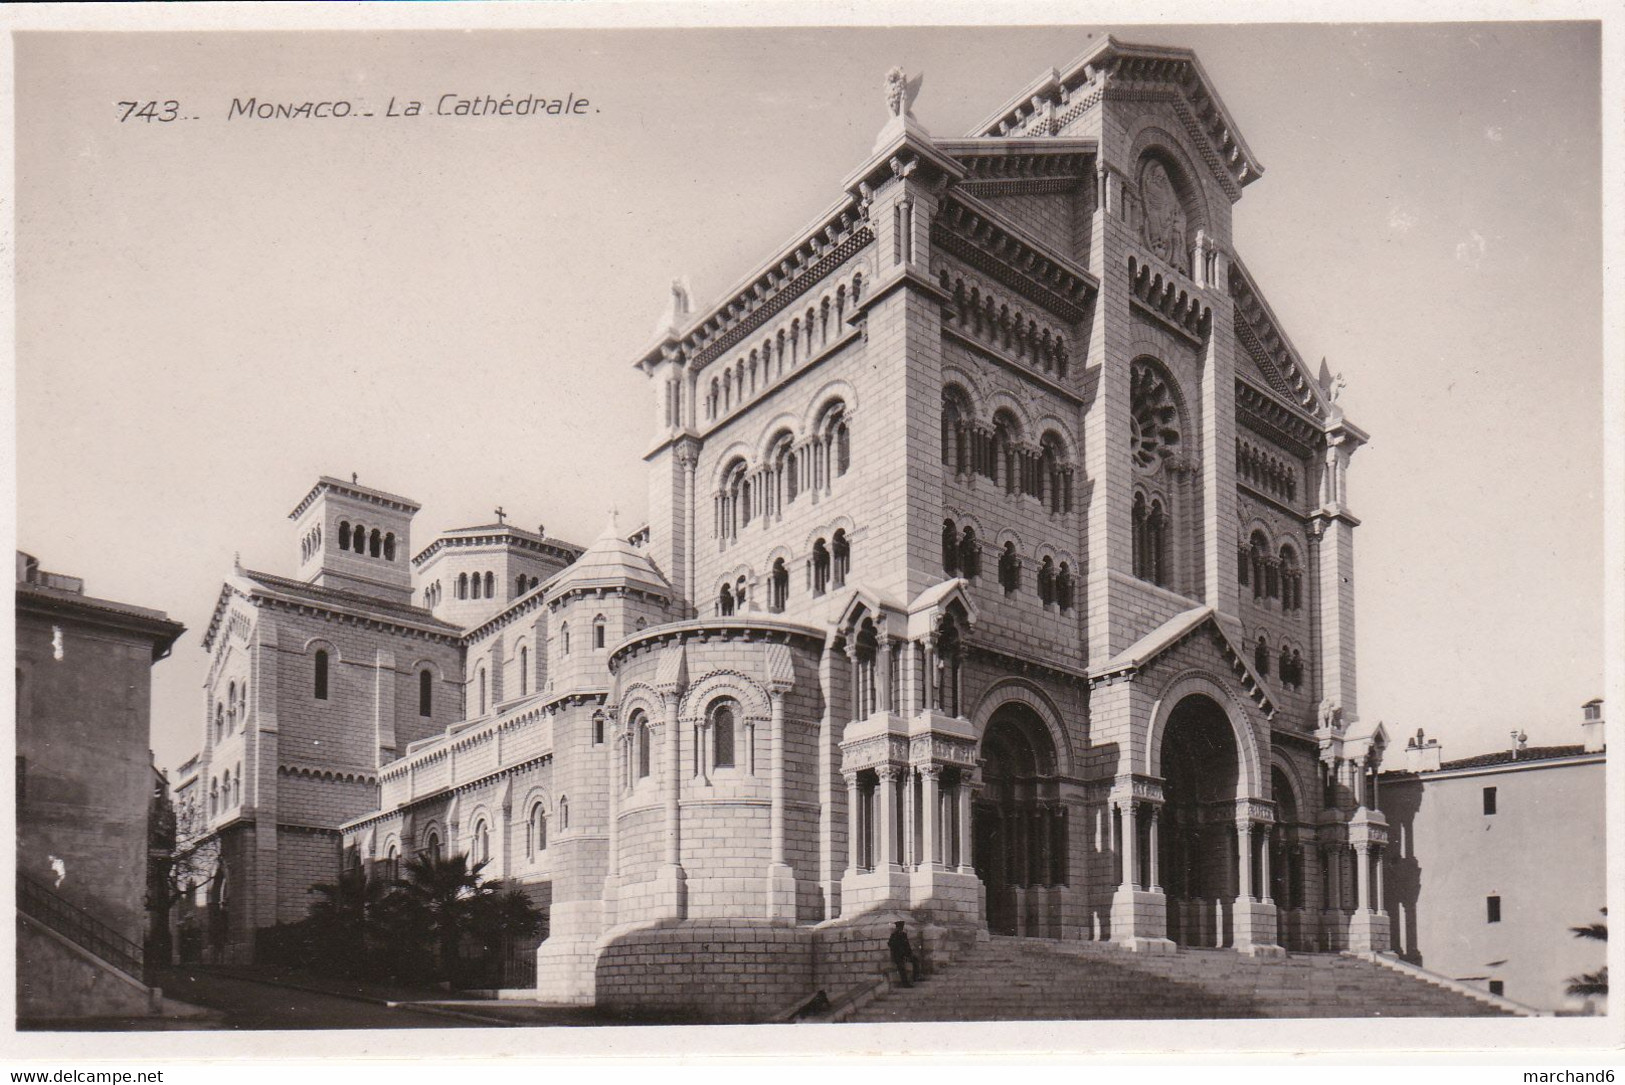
765, 631
1265, 415
1112, 68
361, 493
1260, 333
978, 235
512, 538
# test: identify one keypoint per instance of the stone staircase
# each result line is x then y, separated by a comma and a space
1030, 979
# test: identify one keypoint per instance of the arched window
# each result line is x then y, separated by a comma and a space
376, 545
820, 568
344, 534
739, 595
950, 654
564, 812
480, 845
524, 670
1009, 569
1006, 432
490, 585
778, 587
431, 844
1258, 559
564, 639
1297, 668
970, 554
536, 830
519, 586
321, 675
1064, 587
462, 585
843, 557
835, 441
225, 790
1046, 581
392, 865
956, 419
1055, 476
725, 602
237, 788
214, 796
599, 631
1261, 656
1150, 533
389, 547
950, 548
220, 720
482, 690
425, 693
641, 725
1291, 580
724, 717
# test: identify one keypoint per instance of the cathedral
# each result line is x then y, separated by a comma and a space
998, 574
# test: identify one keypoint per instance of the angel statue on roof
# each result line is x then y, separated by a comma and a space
901, 91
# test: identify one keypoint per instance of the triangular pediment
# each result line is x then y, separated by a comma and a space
1198, 622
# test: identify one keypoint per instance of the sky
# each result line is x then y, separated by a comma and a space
212, 312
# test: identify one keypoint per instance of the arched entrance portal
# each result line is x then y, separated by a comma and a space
1019, 828
1287, 839
1201, 771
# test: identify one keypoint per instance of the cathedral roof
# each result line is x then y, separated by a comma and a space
333, 600
327, 483
1027, 112
610, 561
499, 535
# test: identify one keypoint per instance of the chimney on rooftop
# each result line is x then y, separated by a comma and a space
1422, 754
1592, 729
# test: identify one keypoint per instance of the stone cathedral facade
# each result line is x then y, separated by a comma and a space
998, 572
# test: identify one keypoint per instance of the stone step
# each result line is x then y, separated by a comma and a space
1036, 979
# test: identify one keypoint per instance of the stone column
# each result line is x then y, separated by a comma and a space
776, 816
854, 846
928, 678
1130, 844
965, 864
882, 675
886, 853
1244, 861
910, 812
929, 844
913, 693
1156, 852
1362, 877
781, 881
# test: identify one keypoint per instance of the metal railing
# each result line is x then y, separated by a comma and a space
42, 903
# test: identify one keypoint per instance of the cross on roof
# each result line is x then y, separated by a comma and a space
501, 515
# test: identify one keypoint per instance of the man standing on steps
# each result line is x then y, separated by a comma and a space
902, 953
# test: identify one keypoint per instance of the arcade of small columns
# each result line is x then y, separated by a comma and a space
1348, 845
908, 796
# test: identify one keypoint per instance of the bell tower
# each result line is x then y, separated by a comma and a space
354, 538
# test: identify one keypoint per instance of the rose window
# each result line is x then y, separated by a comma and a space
1153, 417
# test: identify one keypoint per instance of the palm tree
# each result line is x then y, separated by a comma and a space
1591, 984
437, 901
348, 919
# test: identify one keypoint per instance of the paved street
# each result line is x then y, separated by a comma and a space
248, 1004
